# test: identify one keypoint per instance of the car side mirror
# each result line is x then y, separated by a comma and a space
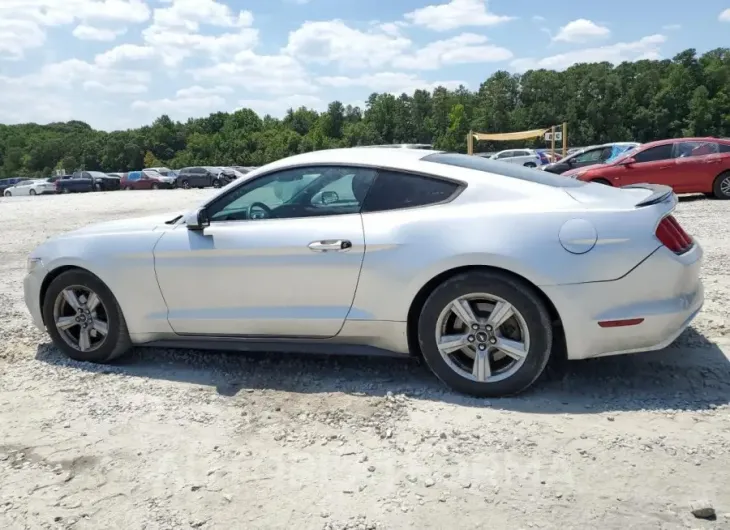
198, 219
328, 197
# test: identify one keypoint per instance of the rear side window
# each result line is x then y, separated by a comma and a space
506, 170
724, 148
393, 191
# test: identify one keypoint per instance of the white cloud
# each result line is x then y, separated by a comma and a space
456, 14
85, 32
724, 16
393, 82
124, 52
199, 91
174, 32
646, 48
114, 87
23, 23
672, 27
462, 49
276, 74
581, 30
334, 41
277, 107
181, 108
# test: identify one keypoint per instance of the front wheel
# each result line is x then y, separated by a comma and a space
84, 319
721, 186
155, 186
31, 192
8, 194
485, 334
186, 184
530, 164
216, 183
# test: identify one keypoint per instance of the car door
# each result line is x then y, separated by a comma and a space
697, 163
653, 165
276, 260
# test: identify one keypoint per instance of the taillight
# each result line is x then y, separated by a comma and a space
673, 236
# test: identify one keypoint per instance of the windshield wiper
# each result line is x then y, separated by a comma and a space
173, 221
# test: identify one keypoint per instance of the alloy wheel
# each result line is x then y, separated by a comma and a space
725, 186
81, 318
482, 337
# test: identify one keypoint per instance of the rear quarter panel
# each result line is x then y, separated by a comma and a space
405, 249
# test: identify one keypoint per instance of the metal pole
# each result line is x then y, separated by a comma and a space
565, 138
552, 142
470, 143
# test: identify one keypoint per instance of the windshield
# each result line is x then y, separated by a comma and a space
507, 170
164, 171
97, 174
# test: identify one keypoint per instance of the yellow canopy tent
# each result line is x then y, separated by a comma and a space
520, 135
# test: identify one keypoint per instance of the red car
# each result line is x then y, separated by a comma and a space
688, 165
145, 180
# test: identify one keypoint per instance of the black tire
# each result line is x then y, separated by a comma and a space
155, 186
722, 181
522, 297
127, 188
601, 181
66, 190
217, 183
185, 184
97, 187
530, 164
117, 341
31, 193
8, 194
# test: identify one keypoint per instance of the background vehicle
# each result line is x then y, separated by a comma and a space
72, 184
164, 171
6, 183
523, 157
202, 177
101, 181
30, 187
398, 146
145, 180
282, 255
688, 165
596, 154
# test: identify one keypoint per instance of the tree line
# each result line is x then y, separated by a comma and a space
642, 101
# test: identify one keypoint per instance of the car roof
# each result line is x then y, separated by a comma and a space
385, 156
688, 139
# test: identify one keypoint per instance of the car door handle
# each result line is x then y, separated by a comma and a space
665, 167
330, 245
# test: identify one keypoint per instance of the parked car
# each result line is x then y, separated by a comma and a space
30, 187
688, 165
6, 183
596, 154
72, 184
361, 250
202, 177
523, 157
146, 179
101, 181
164, 171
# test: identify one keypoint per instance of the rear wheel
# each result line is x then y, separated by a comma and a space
155, 186
8, 194
217, 183
721, 186
97, 187
485, 334
186, 184
31, 192
127, 188
84, 319
530, 164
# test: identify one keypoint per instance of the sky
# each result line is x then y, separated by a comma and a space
117, 64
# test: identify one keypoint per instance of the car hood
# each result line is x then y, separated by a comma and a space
582, 169
138, 224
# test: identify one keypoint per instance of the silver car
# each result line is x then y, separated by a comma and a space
485, 269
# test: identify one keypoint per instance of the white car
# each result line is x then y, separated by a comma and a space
30, 187
523, 157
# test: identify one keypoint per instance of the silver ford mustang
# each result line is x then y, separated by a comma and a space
483, 268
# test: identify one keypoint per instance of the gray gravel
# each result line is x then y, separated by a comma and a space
185, 439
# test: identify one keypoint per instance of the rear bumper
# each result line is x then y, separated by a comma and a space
664, 290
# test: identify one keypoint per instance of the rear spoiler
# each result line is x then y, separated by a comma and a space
660, 193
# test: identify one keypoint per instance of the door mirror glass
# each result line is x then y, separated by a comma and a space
329, 197
198, 219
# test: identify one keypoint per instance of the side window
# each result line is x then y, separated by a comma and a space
654, 154
689, 149
505, 154
523, 153
134, 176
393, 191
724, 148
294, 193
593, 155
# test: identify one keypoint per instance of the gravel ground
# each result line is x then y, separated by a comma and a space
184, 439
